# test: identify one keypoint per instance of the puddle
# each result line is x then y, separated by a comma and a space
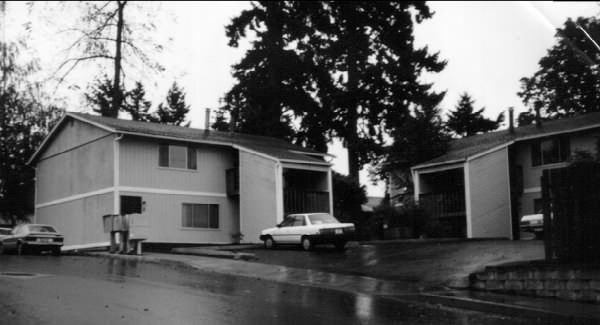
21, 275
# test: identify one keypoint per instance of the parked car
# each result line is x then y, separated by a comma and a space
32, 238
533, 223
308, 230
4, 232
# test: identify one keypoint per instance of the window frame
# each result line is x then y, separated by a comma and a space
561, 144
210, 208
190, 156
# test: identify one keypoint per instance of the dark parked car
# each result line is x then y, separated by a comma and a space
32, 238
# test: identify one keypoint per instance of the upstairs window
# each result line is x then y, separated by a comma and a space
172, 156
550, 151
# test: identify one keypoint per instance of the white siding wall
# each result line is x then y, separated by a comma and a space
74, 171
489, 190
162, 219
80, 221
139, 167
532, 174
258, 195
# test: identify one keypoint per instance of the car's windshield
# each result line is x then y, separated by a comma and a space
321, 218
37, 228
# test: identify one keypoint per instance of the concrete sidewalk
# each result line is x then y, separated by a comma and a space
398, 290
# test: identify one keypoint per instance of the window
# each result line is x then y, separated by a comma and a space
200, 216
176, 156
131, 204
550, 151
299, 221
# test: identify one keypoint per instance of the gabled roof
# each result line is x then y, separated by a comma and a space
273, 148
463, 149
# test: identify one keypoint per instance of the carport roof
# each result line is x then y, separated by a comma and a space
274, 148
469, 147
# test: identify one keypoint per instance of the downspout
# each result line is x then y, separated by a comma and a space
116, 176
35, 194
279, 191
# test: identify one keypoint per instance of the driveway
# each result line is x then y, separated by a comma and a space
432, 264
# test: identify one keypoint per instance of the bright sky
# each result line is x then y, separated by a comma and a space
489, 46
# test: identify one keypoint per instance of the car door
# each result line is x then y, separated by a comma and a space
281, 233
297, 229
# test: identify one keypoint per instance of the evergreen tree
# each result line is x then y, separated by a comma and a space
420, 136
567, 81
343, 69
175, 110
136, 104
100, 96
373, 72
465, 121
273, 86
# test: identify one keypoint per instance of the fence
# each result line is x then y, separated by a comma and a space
571, 198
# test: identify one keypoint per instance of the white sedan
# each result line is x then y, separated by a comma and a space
307, 230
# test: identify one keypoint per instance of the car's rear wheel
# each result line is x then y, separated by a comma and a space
269, 243
306, 243
340, 246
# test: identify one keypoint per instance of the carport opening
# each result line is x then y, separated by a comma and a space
442, 196
305, 191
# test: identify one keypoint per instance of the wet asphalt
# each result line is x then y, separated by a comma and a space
93, 290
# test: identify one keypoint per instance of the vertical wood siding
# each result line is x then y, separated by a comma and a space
161, 221
139, 167
80, 221
257, 195
70, 168
490, 203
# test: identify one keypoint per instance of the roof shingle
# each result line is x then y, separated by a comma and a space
270, 146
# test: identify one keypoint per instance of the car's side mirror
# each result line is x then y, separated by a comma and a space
278, 226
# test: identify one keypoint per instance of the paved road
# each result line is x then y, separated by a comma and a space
90, 290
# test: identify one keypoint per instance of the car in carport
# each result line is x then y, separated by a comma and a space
308, 230
26, 238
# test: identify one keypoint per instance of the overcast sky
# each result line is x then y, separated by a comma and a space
489, 47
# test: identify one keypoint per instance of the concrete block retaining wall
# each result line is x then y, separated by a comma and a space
556, 281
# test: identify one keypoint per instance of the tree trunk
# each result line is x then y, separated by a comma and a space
117, 94
352, 139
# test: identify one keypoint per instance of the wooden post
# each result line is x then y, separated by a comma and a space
548, 249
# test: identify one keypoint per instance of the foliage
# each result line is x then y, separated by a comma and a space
409, 215
100, 95
175, 109
24, 123
347, 198
567, 82
420, 137
108, 31
272, 83
465, 121
136, 104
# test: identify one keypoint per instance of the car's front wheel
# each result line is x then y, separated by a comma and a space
20, 249
1, 249
56, 251
306, 243
269, 243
